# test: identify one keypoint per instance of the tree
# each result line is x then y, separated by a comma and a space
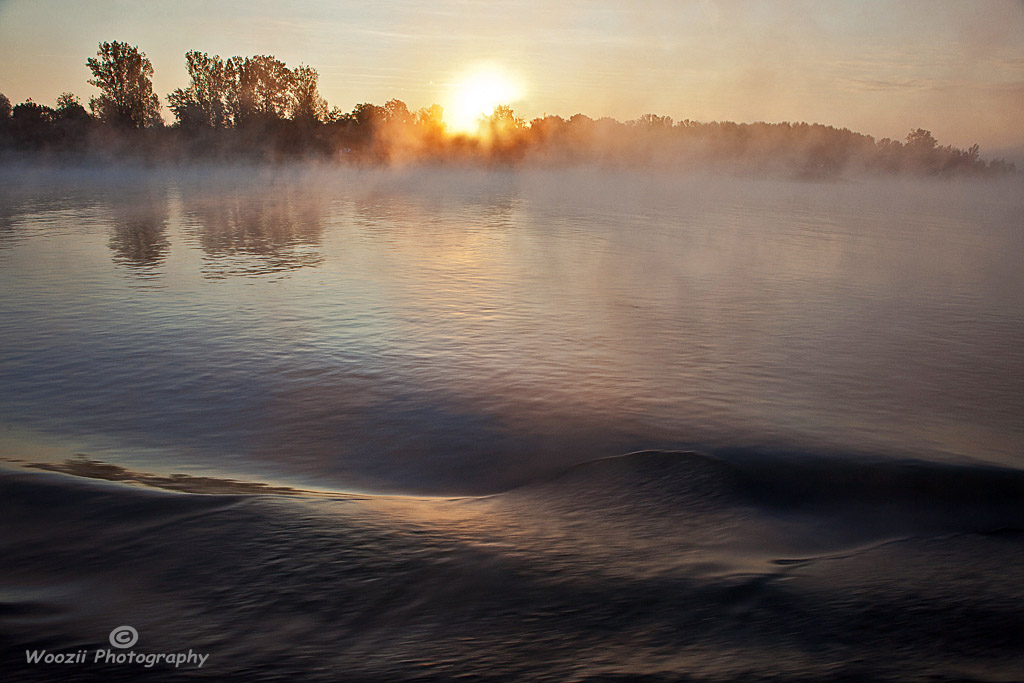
581, 121
307, 105
503, 120
973, 153
71, 122
5, 120
259, 88
204, 103
430, 126
921, 139
367, 115
652, 121
921, 150
69, 108
124, 77
396, 113
430, 117
31, 123
32, 113
338, 117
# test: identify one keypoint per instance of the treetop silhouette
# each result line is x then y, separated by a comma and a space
124, 77
257, 107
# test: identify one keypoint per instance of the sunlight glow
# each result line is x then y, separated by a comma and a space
476, 94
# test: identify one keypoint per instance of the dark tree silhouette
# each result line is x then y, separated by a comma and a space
70, 108
5, 121
31, 124
204, 103
307, 106
35, 126
368, 115
278, 113
124, 77
71, 122
259, 90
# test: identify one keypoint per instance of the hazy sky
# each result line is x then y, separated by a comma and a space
879, 67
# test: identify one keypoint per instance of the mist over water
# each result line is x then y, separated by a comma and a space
676, 427
448, 331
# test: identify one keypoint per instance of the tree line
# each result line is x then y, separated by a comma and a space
258, 107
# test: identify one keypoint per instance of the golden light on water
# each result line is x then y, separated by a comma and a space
477, 93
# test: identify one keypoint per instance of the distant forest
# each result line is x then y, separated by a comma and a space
260, 109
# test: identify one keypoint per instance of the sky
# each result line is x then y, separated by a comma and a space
880, 67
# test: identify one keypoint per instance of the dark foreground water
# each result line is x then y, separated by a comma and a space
556, 425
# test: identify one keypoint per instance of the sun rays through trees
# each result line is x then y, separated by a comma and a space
258, 107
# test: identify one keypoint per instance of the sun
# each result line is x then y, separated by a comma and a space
476, 94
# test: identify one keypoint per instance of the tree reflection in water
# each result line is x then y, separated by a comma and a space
138, 233
256, 231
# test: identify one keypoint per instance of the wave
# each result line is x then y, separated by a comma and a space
864, 497
777, 508
686, 479
669, 565
788, 481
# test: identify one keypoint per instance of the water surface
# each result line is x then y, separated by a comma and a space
675, 428
456, 331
